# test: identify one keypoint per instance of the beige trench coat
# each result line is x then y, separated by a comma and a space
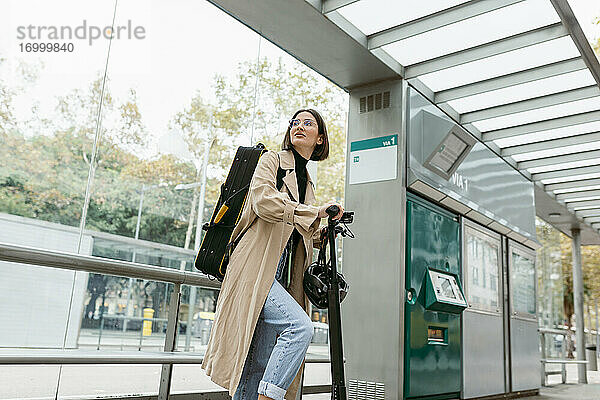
270, 216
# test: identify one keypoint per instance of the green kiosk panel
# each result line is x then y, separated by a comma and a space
443, 292
434, 301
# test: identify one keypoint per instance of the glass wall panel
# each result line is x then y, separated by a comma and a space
522, 283
184, 80
482, 270
101, 381
152, 188
177, 95
51, 71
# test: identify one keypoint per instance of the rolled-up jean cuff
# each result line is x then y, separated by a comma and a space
270, 390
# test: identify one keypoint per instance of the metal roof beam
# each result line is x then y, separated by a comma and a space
532, 104
545, 125
328, 6
552, 144
566, 173
568, 18
517, 78
577, 195
436, 20
565, 158
572, 185
500, 46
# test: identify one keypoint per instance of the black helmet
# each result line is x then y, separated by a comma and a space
316, 284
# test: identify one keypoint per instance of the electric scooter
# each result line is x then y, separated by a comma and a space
336, 350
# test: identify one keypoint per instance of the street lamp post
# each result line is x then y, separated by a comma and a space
137, 236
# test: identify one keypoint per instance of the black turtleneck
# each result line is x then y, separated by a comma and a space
301, 175
290, 249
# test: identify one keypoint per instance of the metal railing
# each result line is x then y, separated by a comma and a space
544, 359
78, 262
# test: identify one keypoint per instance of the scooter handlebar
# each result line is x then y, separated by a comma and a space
332, 211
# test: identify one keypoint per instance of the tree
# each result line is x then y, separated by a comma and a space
45, 174
596, 43
281, 90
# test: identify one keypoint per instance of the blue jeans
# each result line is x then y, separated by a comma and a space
281, 338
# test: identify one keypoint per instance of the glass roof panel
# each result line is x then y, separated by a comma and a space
372, 16
556, 152
569, 178
557, 167
513, 61
577, 189
567, 131
485, 28
540, 114
524, 91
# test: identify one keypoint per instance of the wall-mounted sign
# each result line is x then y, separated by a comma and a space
374, 160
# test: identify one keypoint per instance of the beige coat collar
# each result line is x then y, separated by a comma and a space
287, 162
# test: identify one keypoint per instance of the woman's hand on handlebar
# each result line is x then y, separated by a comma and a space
323, 208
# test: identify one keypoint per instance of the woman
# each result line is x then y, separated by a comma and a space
262, 330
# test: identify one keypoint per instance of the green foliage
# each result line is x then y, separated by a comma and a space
557, 249
596, 42
44, 176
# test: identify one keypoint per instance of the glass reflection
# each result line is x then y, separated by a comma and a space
523, 284
482, 271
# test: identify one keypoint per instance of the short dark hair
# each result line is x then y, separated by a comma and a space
321, 151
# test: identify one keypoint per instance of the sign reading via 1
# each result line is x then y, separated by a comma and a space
390, 142
460, 181
374, 159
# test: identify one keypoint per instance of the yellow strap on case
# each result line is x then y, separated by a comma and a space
221, 213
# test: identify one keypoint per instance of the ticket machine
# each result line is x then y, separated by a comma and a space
434, 302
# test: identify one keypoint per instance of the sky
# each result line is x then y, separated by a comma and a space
185, 43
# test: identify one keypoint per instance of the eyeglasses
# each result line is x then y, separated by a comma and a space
307, 123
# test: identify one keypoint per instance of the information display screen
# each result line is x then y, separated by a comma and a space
446, 288
448, 153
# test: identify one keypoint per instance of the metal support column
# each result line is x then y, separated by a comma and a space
578, 304
170, 342
597, 332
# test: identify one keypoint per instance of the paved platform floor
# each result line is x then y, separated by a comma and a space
569, 391
555, 391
